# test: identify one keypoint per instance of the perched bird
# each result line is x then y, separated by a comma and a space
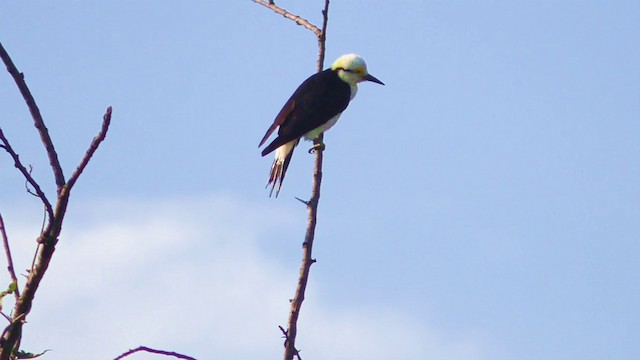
313, 108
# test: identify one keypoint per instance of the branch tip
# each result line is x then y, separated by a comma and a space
106, 121
293, 17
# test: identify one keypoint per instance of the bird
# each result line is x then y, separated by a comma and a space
314, 107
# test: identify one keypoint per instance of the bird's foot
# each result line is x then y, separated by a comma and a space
317, 146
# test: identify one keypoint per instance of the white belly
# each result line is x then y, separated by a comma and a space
326, 126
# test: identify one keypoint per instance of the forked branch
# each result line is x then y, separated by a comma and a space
12, 334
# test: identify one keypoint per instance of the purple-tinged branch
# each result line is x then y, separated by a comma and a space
106, 121
154, 351
7, 251
26, 173
18, 77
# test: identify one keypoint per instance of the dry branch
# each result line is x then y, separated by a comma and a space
7, 251
26, 173
18, 77
106, 121
297, 19
12, 334
312, 204
154, 351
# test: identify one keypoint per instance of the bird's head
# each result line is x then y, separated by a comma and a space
352, 69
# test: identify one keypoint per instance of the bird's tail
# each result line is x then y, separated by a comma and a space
280, 165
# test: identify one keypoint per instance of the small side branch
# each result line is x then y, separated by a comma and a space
154, 351
18, 77
26, 173
106, 121
296, 352
297, 19
7, 251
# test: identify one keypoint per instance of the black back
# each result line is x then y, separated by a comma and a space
318, 99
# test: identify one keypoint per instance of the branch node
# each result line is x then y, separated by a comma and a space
285, 334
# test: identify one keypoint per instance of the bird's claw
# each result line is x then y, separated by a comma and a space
317, 147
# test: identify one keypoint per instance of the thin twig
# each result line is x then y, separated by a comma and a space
7, 317
17, 320
7, 251
25, 173
296, 352
26, 183
322, 37
297, 19
154, 351
106, 121
35, 257
18, 77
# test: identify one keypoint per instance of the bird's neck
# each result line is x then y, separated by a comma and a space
354, 90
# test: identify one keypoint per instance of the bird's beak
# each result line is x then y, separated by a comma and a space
370, 77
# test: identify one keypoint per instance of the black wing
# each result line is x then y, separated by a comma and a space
318, 99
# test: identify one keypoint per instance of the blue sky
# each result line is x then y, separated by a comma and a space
484, 204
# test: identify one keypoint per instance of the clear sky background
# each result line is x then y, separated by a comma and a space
484, 204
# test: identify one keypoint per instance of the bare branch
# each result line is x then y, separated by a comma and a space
18, 77
312, 204
322, 37
307, 259
106, 121
312, 208
7, 251
154, 351
27, 174
11, 336
297, 19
